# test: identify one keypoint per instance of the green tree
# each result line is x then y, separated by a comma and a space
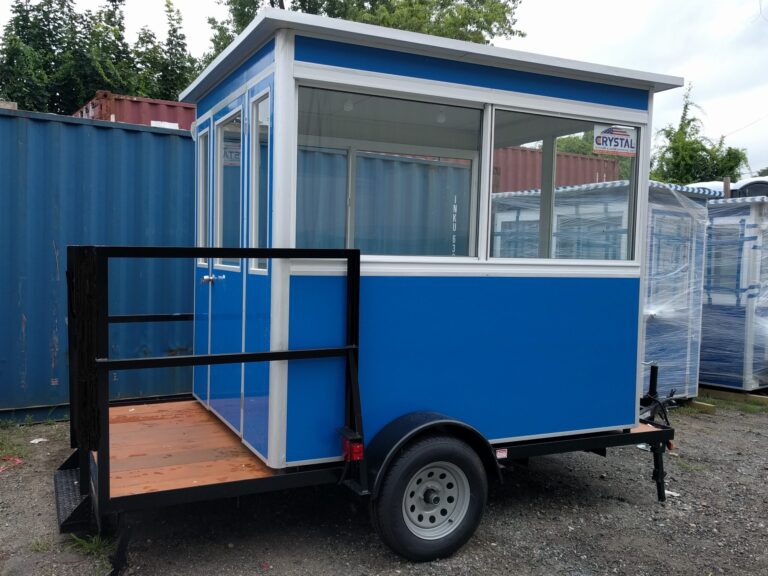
178, 67
22, 75
687, 156
763, 172
472, 20
53, 59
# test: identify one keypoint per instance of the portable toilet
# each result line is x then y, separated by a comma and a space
735, 311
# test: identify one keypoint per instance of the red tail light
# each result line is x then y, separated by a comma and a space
353, 451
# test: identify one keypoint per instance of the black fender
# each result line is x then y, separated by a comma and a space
383, 448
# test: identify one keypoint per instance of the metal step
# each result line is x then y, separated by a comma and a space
72, 508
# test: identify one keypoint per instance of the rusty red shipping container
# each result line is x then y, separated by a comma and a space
516, 168
136, 110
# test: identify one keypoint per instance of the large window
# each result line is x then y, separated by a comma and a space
561, 188
388, 176
227, 192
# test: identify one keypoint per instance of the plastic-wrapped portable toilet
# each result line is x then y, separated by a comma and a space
734, 317
677, 223
677, 220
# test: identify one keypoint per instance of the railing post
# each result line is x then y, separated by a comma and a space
102, 379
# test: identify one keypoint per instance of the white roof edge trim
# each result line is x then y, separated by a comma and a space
272, 19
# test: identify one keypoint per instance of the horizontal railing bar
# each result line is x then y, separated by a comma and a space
229, 358
191, 252
131, 318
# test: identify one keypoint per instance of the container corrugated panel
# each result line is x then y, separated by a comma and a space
70, 181
136, 110
517, 168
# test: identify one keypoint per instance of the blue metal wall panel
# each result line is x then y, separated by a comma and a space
418, 66
252, 67
491, 352
66, 181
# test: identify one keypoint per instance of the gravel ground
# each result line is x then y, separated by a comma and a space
576, 514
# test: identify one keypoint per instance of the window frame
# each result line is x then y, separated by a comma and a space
256, 266
219, 184
548, 209
353, 147
202, 196
349, 80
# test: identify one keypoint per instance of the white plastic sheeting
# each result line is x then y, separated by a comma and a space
734, 351
674, 276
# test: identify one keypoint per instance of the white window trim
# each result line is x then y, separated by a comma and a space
253, 169
204, 192
219, 181
335, 79
634, 198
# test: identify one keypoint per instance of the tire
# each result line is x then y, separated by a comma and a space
432, 499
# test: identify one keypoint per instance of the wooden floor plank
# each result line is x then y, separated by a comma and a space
166, 446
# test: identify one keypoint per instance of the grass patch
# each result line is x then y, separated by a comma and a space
40, 545
687, 409
690, 466
94, 546
11, 443
747, 405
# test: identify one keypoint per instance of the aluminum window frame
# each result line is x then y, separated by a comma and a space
255, 267
548, 210
219, 185
354, 146
202, 193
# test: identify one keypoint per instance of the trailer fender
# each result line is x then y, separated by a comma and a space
403, 430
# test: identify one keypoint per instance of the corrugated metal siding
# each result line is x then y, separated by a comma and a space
67, 181
516, 168
137, 110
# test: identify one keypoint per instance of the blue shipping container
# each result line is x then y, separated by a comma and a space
72, 181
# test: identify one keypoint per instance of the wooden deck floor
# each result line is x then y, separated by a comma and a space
165, 446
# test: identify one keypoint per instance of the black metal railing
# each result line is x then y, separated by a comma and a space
90, 364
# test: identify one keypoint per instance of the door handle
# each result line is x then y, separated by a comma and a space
210, 279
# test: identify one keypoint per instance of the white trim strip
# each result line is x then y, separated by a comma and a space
449, 267
563, 434
235, 94
315, 461
333, 77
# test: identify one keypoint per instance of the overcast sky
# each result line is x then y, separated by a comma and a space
720, 46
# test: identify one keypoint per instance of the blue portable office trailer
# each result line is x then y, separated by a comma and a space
383, 140
320, 139
734, 346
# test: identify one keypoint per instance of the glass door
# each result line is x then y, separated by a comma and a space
226, 277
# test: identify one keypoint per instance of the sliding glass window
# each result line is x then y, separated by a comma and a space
562, 188
387, 176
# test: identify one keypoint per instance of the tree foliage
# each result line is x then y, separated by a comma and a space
54, 59
472, 20
763, 172
688, 156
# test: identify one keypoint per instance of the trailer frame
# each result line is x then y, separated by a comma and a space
82, 483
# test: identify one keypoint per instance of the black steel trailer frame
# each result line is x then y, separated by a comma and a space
82, 483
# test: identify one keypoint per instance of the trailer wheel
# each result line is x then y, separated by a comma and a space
432, 499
